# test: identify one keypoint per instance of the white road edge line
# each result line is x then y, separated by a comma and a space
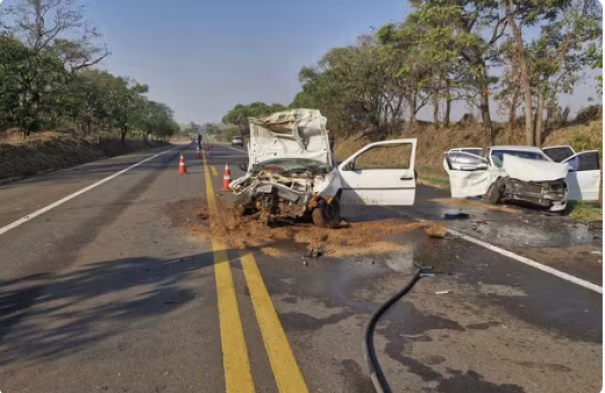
35, 214
519, 258
530, 262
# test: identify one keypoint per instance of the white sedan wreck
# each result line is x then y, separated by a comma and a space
292, 172
523, 173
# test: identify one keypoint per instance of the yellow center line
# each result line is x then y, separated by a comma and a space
236, 364
285, 369
214, 171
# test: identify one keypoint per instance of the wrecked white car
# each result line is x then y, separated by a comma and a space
292, 172
523, 173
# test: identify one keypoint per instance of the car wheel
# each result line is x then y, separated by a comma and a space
494, 192
327, 215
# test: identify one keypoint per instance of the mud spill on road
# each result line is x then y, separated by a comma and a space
352, 238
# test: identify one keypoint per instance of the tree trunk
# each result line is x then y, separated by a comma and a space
524, 76
448, 104
485, 115
539, 115
436, 112
512, 113
413, 105
123, 134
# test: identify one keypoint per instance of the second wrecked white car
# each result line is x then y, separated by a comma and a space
292, 172
524, 173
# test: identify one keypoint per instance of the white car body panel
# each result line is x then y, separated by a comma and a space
533, 170
381, 187
298, 133
583, 183
466, 183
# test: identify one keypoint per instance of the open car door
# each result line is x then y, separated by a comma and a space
559, 153
469, 174
380, 174
584, 176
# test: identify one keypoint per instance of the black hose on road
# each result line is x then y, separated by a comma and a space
369, 353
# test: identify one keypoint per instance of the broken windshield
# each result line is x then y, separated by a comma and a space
294, 165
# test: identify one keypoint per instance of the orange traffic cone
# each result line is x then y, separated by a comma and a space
182, 168
226, 178
198, 153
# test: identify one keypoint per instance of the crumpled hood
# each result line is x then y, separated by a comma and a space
533, 170
298, 133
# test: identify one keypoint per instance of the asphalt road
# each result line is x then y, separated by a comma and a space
106, 292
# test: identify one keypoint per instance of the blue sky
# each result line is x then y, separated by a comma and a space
202, 57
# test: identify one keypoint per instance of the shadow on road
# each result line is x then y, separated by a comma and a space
46, 316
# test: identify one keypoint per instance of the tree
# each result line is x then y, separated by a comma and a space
31, 85
240, 113
58, 27
449, 47
157, 121
546, 66
127, 104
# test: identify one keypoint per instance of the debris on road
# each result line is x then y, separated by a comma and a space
456, 216
595, 225
240, 232
442, 292
436, 231
314, 253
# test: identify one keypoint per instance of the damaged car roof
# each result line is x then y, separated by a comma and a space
297, 133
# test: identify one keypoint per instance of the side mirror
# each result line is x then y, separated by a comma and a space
243, 167
482, 166
350, 166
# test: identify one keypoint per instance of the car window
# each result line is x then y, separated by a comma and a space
497, 155
476, 152
588, 161
393, 156
559, 154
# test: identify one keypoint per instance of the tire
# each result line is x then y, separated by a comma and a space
327, 215
494, 192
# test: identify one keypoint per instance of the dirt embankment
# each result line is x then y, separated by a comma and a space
50, 151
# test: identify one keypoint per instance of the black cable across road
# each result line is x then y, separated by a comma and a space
369, 353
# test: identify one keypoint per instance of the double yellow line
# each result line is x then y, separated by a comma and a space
236, 363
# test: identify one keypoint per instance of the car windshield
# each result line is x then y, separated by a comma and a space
530, 155
294, 165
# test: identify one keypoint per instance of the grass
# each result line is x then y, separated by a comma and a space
586, 212
431, 176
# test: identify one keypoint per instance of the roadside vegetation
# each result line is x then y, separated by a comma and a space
52, 89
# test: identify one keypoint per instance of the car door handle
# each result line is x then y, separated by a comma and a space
406, 178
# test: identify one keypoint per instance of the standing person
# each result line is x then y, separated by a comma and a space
199, 141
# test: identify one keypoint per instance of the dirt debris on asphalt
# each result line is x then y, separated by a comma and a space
352, 238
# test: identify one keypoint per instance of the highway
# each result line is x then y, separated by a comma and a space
104, 286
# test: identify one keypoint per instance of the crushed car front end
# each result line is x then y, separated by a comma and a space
291, 170
287, 194
541, 183
547, 194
